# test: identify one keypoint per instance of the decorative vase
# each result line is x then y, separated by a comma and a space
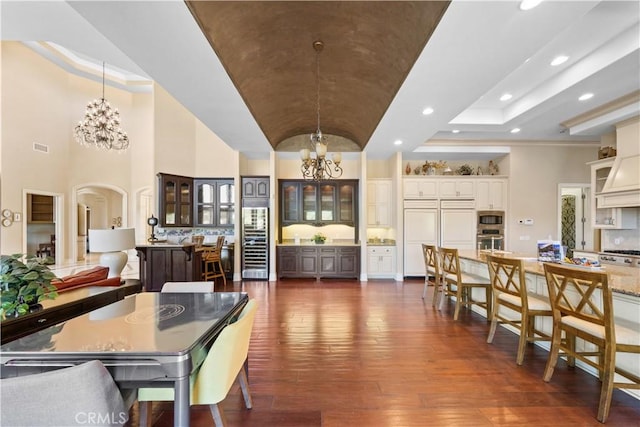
407, 170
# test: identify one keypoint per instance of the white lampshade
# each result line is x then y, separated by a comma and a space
321, 149
305, 154
337, 158
110, 243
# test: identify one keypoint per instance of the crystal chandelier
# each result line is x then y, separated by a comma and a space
315, 164
100, 127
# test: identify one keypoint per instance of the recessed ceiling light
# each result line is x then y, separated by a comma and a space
585, 96
561, 59
515, 130
529, 4
506, 97
427, 111
455, 131
397, 142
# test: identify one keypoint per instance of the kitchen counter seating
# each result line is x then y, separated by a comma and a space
622, 280
624, 283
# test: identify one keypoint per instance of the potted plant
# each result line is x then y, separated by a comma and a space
319, 238
23, 285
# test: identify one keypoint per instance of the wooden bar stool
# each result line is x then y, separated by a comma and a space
509, 290
582, 307
212, 260
432, 266
459, 285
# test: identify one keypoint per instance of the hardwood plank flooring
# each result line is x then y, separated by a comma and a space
348, 353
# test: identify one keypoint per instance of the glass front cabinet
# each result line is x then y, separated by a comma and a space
189, 202
214, 203
318, 203
176, 196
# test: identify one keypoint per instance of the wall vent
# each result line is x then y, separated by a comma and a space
40, 147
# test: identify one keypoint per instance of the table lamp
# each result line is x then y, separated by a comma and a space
110, 243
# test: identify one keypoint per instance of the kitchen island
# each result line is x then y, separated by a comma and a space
310, 260
168, 262
623, 281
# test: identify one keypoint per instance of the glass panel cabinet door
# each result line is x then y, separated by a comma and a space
347, 203
309, 202
291, 203
226, 203
327, 202
170, 201
205, 203
185, 203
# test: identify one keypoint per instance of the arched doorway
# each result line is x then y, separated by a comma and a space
95, 206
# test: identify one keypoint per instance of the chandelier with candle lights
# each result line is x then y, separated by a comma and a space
315, 164
100, 127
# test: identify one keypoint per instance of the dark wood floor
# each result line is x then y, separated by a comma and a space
345, 353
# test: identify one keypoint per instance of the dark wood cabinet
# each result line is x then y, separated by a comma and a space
318, 203
255, 187
199, 202
318, 261
214, 202
168, 263
175, 197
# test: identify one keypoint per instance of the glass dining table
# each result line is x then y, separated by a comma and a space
146, 340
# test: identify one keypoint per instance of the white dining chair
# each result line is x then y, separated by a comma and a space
189, 287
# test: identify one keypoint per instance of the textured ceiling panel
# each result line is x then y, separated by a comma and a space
267, 49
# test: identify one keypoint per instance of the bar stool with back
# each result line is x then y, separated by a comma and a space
582, 305
432, 268
459, 285
212, 262
509, 290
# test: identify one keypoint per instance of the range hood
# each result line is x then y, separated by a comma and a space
622, 187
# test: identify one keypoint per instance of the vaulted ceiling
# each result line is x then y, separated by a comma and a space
266, 47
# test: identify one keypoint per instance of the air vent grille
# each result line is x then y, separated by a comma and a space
40, 147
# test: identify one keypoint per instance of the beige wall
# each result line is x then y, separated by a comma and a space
535, 172
42, 103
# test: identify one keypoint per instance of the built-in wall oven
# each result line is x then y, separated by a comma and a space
490, 230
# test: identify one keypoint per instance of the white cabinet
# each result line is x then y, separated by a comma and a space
457, 188
491, 194
379, 203
420, 226
612, 218
420, 188
458, 228
381, 261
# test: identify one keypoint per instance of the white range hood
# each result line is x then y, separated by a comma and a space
622, 187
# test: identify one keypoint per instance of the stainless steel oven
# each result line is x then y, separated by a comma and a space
490, 219
491, 241
490, 230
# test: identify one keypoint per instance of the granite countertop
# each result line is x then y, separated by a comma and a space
164, 245
381, 242
623, 280
310, 243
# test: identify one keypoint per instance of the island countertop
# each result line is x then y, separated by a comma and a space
624, 280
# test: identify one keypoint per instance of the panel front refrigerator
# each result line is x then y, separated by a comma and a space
255, 246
